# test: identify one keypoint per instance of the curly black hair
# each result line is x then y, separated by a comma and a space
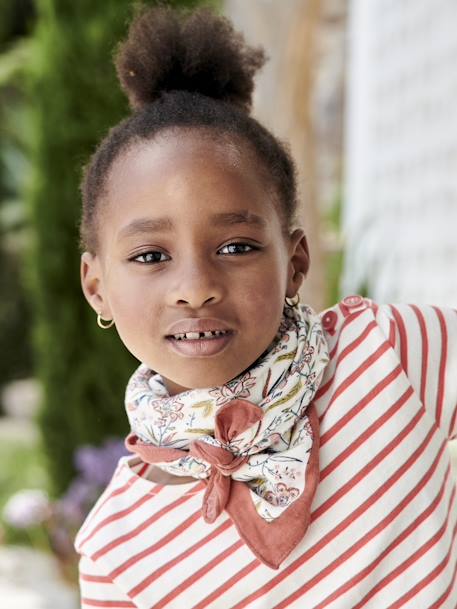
187, 70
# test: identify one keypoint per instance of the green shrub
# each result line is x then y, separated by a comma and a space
15, 353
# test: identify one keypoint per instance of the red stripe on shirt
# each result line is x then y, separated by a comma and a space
198, 575
117, 516
363, 473
381, 526
392, 333
425, 347
115, 493
344, 420
346, 351
156, 546
439, 601
171, 563
351, 378
435, 572
366, 434
453, 425
403, 338
227, 585
442, 368
137, 530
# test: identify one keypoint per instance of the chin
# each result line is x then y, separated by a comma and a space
207, 380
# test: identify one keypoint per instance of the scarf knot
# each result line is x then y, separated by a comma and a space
232, 419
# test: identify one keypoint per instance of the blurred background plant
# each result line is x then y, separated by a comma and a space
16, 22
31, 516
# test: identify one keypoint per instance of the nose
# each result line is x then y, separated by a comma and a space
196, 283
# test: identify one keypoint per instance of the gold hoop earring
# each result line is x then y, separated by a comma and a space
293, 302
99, 322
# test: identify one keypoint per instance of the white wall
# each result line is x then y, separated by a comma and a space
400, 217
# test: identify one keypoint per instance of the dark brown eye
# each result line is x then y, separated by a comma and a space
149, 257
237, 248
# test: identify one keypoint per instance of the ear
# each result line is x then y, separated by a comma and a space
92, 284
298, 262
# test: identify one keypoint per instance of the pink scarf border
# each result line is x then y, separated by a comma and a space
270, 542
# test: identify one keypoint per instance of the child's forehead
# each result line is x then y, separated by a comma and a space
173, 165
187, 180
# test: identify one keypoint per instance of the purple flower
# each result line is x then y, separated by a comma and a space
62, 541
77, 501
96, 464
27, 508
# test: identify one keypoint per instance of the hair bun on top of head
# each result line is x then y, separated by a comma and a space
199, 51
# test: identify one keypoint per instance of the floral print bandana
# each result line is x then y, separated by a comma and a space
253, 440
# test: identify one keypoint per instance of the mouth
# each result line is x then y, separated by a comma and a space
198, 335
200, 344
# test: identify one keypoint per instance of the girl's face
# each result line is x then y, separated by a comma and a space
191, 241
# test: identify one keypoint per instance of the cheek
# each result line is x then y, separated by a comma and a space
132, 306
266, 283
262, 297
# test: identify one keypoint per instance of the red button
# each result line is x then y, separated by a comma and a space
329, 320
353, 301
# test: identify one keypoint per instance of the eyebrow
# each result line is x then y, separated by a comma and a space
164, 224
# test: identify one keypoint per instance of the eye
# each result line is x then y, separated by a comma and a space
237, 248
156, 256
149, 257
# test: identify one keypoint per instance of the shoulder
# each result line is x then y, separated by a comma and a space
115, 508
131, 504
356, 322
347, 310
405, 326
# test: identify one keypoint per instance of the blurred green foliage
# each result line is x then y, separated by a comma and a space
73, 99
16, 19
16, 358
22, 467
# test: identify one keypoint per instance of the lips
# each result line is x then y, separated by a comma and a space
201, 347
191, 337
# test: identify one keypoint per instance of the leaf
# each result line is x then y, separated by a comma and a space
207, 406
292, 393
285, 356
203, 432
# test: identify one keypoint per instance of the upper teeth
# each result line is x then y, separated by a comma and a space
196, 335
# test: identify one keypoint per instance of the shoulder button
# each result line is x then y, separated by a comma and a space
329, 320
353, 301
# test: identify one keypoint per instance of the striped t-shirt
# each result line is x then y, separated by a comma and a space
383, 528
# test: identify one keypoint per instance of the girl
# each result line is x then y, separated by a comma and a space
281, 458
